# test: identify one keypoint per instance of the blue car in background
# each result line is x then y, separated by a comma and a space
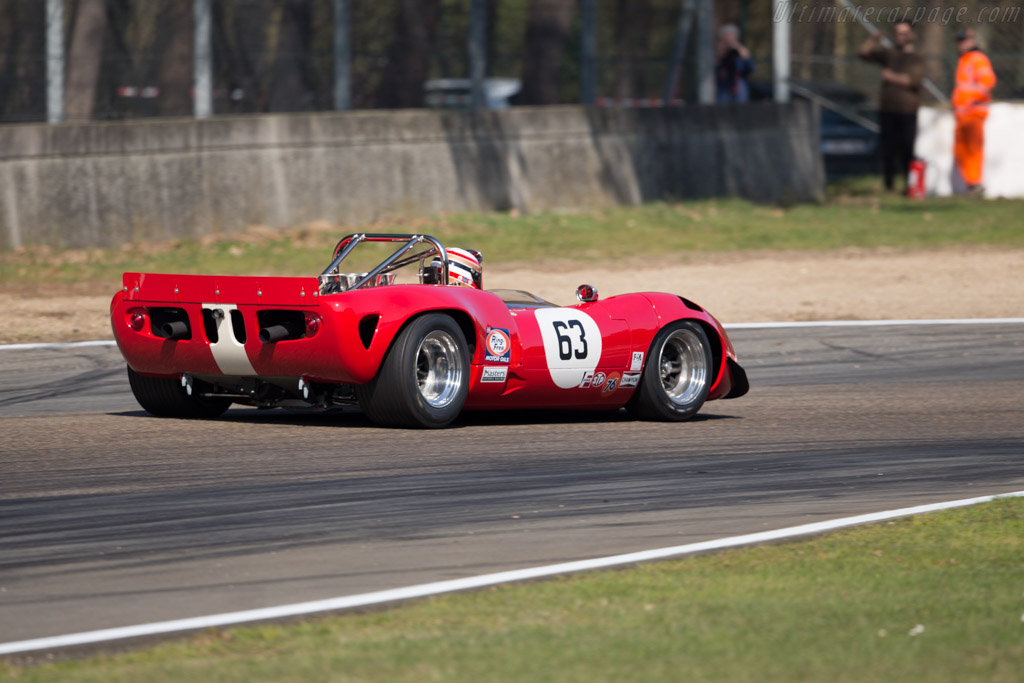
849, 125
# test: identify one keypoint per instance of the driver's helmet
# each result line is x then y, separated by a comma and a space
465, 268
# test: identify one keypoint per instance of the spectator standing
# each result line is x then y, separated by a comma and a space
900, 97
971, 97
733, 67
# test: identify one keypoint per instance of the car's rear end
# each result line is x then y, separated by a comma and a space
254, 340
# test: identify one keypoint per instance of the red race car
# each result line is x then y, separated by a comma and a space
414, 354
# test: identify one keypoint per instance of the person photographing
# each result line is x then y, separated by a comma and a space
732, 68
900, 96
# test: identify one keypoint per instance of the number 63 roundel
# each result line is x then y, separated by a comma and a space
572, 344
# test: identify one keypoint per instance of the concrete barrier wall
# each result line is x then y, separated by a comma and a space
108, 183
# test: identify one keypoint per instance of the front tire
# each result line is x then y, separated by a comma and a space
424, 379
165, 397
677, 376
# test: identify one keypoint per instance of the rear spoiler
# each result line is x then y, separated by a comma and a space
221, 289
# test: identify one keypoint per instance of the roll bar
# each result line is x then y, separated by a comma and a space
331, 277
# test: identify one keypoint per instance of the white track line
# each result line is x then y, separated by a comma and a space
731, 326
439, 587
55, 345
874, 323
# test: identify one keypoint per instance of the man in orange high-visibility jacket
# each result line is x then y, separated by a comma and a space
971, 96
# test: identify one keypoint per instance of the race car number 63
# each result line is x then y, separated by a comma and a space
566, 348
572, 344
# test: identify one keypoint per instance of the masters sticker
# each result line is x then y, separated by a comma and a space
495, 374
630, 379
498, 346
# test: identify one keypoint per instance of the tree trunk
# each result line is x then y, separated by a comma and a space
292, 84
932, 36
546, 31
408, 66
632, 30
241, 53
23, 78
84, 60
176, 49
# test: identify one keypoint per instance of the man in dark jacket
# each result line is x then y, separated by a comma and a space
733, 67
902, 74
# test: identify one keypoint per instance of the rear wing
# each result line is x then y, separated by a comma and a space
221, 289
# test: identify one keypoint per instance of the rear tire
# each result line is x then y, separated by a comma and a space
424, 379
165, 397
677, 375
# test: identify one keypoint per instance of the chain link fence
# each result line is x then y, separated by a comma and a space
134, 58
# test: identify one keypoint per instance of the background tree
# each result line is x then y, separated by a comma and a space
408, 60
292, 78
176, 50
547, 29
632, 31
22, 61
84, 59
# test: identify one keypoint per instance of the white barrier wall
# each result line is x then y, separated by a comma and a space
1003, 174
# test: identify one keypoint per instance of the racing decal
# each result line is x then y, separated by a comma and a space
638, 362
494, 374
228, 352
572, 345
611, 385
498, 345
630, 379
591, 379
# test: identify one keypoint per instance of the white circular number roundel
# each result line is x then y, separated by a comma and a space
572, 344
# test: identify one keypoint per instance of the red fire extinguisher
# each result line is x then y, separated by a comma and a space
915, 179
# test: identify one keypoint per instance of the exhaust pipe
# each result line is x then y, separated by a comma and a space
275, 333
174, 330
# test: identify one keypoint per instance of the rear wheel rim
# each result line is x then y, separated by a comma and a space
438, 369
683, 367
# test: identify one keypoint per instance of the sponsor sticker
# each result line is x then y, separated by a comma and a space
611, 384
588, 378
630, 379
495, 374
638, 362
599, 380
498, 346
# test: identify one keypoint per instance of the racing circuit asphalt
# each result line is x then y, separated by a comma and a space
109, 517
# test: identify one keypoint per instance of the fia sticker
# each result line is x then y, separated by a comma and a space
611, 385
494, 374
498, 346
572, 344
630, 379
638, 362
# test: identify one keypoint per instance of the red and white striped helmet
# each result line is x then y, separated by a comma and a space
465, 268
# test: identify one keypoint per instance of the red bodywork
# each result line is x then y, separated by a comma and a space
551, 359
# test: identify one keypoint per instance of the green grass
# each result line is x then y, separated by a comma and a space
855, 215
930, 598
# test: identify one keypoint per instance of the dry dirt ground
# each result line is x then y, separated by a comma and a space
844, 285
